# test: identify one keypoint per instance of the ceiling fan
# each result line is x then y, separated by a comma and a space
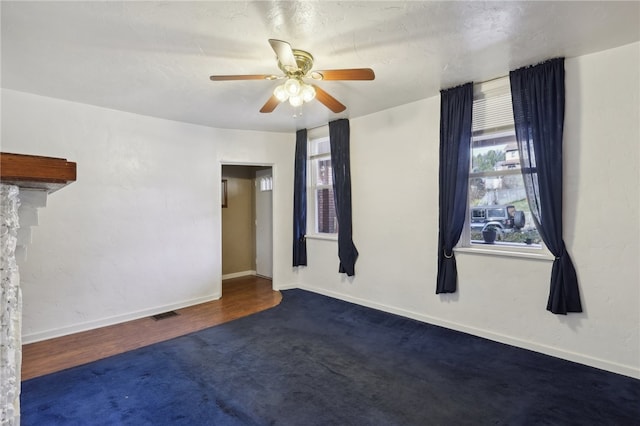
296, 65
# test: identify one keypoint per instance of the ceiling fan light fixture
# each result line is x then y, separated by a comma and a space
296, 91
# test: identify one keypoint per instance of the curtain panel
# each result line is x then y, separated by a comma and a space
455, 140
300, 200
340, 163
538, 96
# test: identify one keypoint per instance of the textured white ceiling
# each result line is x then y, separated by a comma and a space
155, 58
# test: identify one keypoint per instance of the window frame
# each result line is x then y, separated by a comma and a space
496, 92
312, 186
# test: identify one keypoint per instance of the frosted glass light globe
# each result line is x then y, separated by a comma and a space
292, 86
296, 101
308, 93
281, 93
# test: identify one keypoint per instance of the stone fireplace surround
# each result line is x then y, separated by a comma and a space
25, 182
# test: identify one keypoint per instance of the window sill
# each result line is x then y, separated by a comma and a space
539, 255
328, 237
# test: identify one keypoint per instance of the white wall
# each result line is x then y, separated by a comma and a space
139, 232
394, 170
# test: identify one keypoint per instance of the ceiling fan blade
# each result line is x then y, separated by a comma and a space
346, 74
285, 54
329, 101
243, 77
271, 104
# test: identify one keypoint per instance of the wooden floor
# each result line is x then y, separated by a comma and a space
240, 297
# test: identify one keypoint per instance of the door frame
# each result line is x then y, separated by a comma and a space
218, 260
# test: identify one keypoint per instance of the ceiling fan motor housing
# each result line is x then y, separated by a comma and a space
304, 60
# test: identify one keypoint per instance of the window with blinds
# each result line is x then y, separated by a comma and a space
498, 216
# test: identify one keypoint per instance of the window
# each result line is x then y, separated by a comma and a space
266, 183
323, 218
499, 217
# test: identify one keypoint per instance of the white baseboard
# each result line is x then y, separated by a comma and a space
238, 274
602, 364
286, 287
92, 325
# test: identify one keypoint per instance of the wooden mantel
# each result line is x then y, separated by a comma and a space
36, 172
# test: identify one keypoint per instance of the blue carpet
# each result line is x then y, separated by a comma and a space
313, 360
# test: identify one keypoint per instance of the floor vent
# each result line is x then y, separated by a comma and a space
165, 315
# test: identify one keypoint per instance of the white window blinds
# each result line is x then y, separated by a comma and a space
492, 108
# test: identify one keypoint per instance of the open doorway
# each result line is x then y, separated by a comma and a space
247, 221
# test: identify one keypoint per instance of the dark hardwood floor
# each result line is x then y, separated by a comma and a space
240, 297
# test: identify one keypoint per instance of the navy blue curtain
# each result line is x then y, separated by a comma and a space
300, 200
538, 111
340, 163
455, 139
